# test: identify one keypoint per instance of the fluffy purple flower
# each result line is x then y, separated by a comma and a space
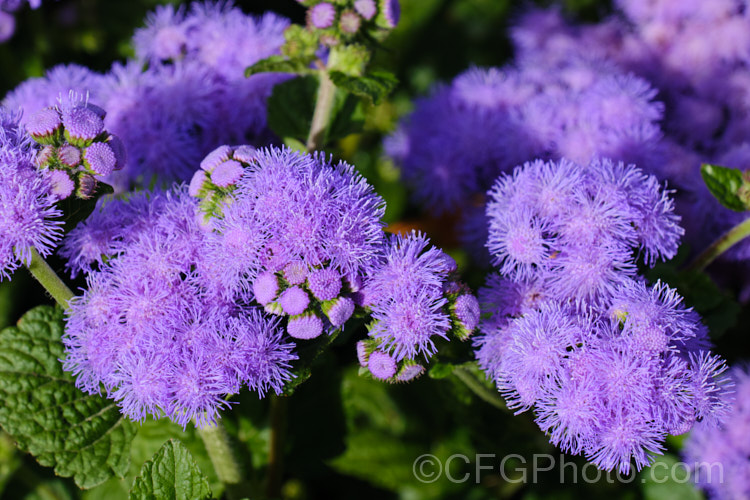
44, 123
339, 311
29, 218
306, 210
381, 365
573, 107
718, 453
608, 384
265, 288
391, 11
322, 15
35, 94
366, 8
294, 301
152, 330
100, 158
325, 284
408, 323
467, 311
575, 229
304, 327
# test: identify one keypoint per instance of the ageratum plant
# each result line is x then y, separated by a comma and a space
236, 300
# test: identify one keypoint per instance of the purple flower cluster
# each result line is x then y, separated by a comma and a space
696, 54
458, 140
573, 230
29, 218
76, 148
414, 301
191, 97
201, 285
149, 328
609, 365
719, 454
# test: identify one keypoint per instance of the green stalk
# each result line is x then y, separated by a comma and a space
50, 280
322, 113
478, 388
219, 449
277, 418
718, 247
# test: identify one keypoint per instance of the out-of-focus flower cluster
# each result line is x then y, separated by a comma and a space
609, 364
182, 95
7, 20
719, 454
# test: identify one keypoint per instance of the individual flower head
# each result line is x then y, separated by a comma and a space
381, 365
308, 210
165, 36
366, 8
7, 25
322, 15
390, 11
406, 295
30, 219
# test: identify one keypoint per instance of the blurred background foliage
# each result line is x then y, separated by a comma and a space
346, 436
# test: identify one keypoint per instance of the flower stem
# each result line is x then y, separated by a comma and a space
279, 405
478, 388
322, 113
219, 449
49, 280
718, 247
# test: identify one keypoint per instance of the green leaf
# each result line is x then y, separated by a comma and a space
79, 435
728, 185
665, 480
171, 474
376, 86
441, 370
292, 104
291, 107
278, 64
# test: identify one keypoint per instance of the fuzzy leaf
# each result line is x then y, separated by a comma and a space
172, 473
376, 86
728, 185
277, 64
77, 434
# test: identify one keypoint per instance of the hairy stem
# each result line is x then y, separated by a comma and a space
718, 247
51, 282
322, 114
219, 449
279, 405
478, 388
